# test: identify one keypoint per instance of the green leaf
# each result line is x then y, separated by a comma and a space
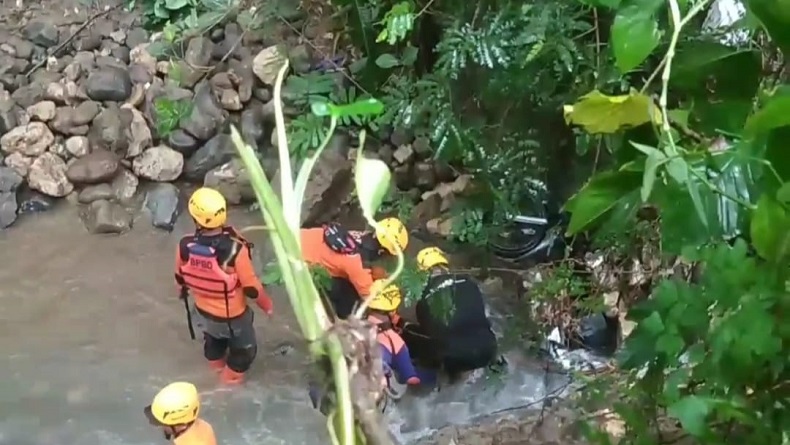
599, 113
652, 162
775, 17
604, 191
372, 179
692, 411
635, 35
774, 114
679, 117
387, 61
364, 107
783, 194
611, 4
678, 169
409, 55
320, 109
652, 325
707, 68
770, 229
174, 5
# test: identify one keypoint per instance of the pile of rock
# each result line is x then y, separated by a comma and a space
85, 125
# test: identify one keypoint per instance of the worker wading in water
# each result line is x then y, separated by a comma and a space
348, 256
452, 330
175, 410
382, 313
215, 266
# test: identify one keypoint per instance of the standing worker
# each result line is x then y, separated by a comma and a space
175, 409
451, 314
215, 265
348, 256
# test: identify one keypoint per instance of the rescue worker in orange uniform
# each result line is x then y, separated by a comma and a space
348, 256
215, 265
175, 409
382, 312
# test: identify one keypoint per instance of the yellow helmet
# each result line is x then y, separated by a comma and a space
390, 230
430, 257
176, 404
208, 208
385, 299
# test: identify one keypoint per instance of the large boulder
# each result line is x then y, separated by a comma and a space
160, 163
231, 179
48, 176
98, 166
106, 217
32, 139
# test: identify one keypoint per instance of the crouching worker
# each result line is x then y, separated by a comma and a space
382, 312
175, 410
215, 266
348, 256
451, 314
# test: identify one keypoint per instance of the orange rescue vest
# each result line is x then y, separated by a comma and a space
204, 276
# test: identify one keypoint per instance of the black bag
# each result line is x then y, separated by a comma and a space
340, 240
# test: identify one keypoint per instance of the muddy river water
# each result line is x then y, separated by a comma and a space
90, 327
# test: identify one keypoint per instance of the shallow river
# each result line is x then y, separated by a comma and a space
90, 327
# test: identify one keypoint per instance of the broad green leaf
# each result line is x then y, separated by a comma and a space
611, 4
783, 194
409, 55
372, 180
708, 69
770, 229
696, 199
599, 196
774, 114
692, 412
320, 109
652, 162
648, 150
775, 17
635, 35
678, 169
679, 117
599, 113
364, 107
175, 4
387, 61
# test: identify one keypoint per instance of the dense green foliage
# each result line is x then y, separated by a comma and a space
675, 126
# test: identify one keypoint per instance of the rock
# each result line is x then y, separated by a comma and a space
124, 186
118, 36
23, 48
139, 56
401, 136
230, 100
98, 166
48, 176
64, 122
422, 146
300, 58
135, 37
217, 151
424, 176
88, 41
404, 154
246, 79
267, 64
164, 203
73, 71
78, 146
207, 114
85, 112
9, 179
8, 209
94, 193
111, 129
221, 81
198, 55
492, 287
31, 201
31, 140
59, 149
11, 115
137, 97
140, 75
28, 95
253, 129
426, 210
386, 154
19, 163
182, 142
42, 33
9, 182
104, 217
329, 185
43, 111
403, 176
160, 163
439, 227
141, 137
232, 181
109, 84
55, 92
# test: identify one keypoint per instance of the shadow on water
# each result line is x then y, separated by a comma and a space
90, 327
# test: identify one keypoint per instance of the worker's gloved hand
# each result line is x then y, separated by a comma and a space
265, 303
378, 273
